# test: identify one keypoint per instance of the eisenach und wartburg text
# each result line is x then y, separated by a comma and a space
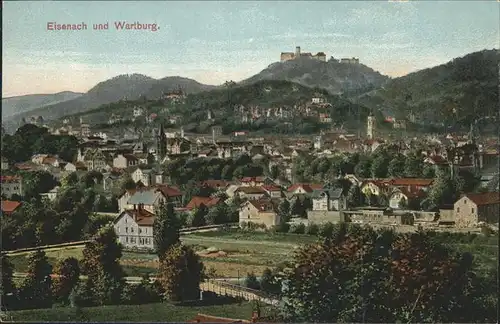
118, 25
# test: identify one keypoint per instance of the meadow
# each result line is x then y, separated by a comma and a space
157, 312
245, 252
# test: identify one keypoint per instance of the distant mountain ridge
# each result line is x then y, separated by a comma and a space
333, 76
129, 87
12, 106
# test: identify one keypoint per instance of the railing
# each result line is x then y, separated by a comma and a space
61, 245
224, 288
43, 247
193, 229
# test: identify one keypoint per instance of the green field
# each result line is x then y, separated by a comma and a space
249, 252
158, 312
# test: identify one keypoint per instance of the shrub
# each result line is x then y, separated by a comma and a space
312, 229
251, 281
281, 228
298, 228
326, 230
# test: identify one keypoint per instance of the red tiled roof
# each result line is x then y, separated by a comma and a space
486, 198
169, 191
437, 159
196, 201
308, 187
142, 216
9, 206
271, 188
412, 182
5, 179
215, 183
263, 205
251, 190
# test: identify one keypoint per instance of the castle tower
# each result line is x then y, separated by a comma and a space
161, 143
370, 127
182, 132
297, 51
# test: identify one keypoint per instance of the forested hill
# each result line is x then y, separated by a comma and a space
452, 93
332, 76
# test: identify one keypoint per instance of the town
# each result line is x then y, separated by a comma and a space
191, 175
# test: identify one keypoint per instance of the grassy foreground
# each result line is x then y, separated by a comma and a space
157, 312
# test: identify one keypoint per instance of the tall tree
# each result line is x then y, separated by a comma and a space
67, 276
36, 288
181, 273
101, 263
284, 211
199, 216
396, 168
414, 166
166, 228
8, 289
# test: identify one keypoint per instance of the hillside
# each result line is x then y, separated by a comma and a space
16, 105
226, 104
447, 93
122, 87
333, 76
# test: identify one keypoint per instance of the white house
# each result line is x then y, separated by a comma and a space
142, 175
12, 185
259, 212
52, 194
138, 112
134, 228
328, 200
123, 161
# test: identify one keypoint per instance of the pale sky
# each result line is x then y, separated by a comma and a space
212, 42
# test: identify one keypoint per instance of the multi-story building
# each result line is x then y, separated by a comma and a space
286, 56
12, 185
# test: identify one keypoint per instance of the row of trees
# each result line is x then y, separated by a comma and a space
46, 285
30, 139
362, 275
71, 217
180, 272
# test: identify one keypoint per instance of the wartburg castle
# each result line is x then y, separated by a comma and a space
320, 56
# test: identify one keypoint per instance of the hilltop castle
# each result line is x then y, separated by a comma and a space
286, 56
320, 56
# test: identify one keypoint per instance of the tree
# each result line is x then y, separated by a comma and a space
252, 282
199, 216
36, 288
396, 168
429, 171
8, 289
101, 263
379, 167
441, 192
414, 166
166, 228
355, 196
269, 282
363, 168
67, 276
284, 211
181, 273
218, 214
362, 275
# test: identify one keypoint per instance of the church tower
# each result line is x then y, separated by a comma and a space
370, 126
161, 143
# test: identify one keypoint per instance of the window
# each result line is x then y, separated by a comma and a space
140, 231
126, 239
126, 229
146, 230
248, 216
132, 240
458, 209
131, 230
465, 201
472, 210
